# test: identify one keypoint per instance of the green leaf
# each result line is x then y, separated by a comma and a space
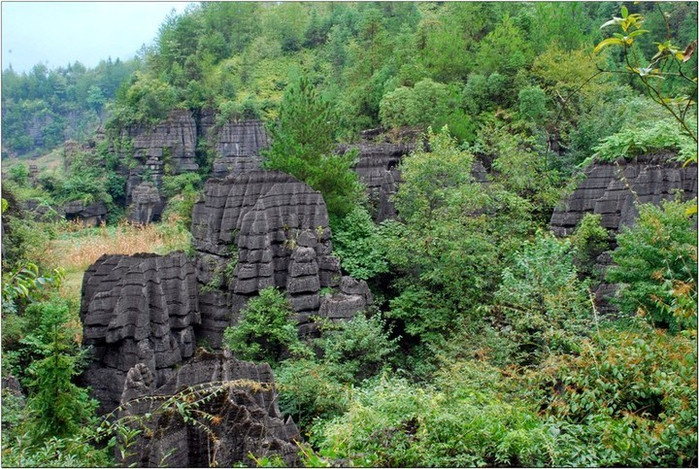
624, 12
608, 42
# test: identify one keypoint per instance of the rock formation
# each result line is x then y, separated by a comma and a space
612, 190
166, 148
91, 215
137, 309
377, 167
378, 158
256, 230
237, 146
146, 205
238, 396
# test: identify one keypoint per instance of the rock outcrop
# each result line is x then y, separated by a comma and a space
256, 230
166, 148
612, 190
238, 396
377, 167
378, 158
146, 204
88, 214
137, 309
237, 146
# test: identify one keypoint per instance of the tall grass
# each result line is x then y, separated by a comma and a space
77, 247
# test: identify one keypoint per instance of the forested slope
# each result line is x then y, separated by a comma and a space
492, 334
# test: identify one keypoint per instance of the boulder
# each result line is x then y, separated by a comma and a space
228, 410
166, 148
237, 146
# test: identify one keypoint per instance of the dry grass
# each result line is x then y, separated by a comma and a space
78, 247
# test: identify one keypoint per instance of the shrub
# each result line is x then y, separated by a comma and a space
589, 241
265, 331
633, 141
628, 399
358, 244
656, 265
454, 424
358, 348
56, 407
543, 301
421, 105
309, 389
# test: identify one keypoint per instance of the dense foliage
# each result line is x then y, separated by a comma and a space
484, 345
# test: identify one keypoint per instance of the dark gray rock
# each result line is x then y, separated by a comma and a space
166, 148
137, 309
377, 167
274, 230
354, 295
239, 396
146, 204
237, 146
89, 214
613, 190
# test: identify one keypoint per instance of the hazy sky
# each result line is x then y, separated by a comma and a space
59, 33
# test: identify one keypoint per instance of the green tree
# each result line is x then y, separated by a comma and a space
303, 143
265, 331
56, 406
656, 265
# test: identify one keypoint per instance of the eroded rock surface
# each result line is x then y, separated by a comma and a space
237, 146
377, 167
167, 148
612, 190
88, 214
137, 309
256, 230
146, 204
241, 398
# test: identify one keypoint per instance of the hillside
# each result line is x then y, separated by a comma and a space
375, 234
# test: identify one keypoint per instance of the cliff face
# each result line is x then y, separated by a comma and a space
137, 309
239, 395
170, 148
255, 230
613, 190
237, 145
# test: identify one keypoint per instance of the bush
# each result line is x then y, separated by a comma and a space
589, 240
628, 399
350, 352
662, 135
656, 265
358, 348
56, 407
265, 331
358, 244
421, 105
455, 424
544, 303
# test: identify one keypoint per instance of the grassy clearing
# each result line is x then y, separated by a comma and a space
76, 247
51, 162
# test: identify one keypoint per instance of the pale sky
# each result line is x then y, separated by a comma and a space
59, 33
